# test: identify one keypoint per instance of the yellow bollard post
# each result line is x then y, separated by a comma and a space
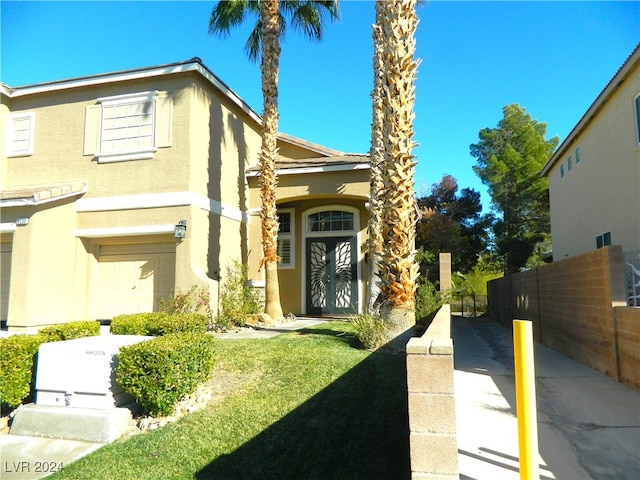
526, 399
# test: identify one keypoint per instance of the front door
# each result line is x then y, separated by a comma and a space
331, 275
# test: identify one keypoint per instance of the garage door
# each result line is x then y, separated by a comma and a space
132, 278
5, 279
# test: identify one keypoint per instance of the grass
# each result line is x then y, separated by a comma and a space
315, 407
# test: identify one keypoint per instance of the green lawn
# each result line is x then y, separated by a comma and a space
316, 407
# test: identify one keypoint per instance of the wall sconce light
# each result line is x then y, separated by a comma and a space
180, 230
22, 221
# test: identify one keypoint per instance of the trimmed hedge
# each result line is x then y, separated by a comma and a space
158, 323
18, 358
71, 330
161, 371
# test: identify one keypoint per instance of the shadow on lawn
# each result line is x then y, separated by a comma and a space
356, 428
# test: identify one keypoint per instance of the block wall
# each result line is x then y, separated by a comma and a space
628, 340
571, 304
432, 408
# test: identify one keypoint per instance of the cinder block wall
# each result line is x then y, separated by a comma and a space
432, 408
628, 329
571, 304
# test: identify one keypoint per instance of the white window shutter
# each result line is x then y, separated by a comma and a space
91, 129
164, 120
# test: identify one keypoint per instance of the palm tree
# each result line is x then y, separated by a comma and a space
375, 244
307, 16
399, 270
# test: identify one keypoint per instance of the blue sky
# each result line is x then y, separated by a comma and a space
552, 58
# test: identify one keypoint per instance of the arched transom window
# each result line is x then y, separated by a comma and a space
330, 221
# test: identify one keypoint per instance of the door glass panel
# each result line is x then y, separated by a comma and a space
343, 274
318, 265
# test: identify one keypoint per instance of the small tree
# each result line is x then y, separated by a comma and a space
509, 160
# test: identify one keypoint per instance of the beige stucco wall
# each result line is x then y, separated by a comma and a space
212, 143
45, 277
301, 193
602, 192
4, 111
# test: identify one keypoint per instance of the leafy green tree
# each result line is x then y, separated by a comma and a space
452, 222
509, 159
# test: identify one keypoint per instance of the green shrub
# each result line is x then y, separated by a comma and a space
428, 302
237, 300
69, 331
17, 356
158, 323
194, 300
371, 330
161, 371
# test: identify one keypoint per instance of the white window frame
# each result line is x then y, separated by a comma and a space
12, 120
288, 236
636, 103
602, 237
134, 153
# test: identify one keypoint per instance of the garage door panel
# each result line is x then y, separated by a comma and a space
132, 283
5, 279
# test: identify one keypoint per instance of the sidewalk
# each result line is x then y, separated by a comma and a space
588, 424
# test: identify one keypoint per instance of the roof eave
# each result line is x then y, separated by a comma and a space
142, 73
621, 75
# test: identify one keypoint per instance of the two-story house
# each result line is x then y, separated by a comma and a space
594, 175
116, 189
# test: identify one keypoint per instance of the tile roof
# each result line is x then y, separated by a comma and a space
337, 162
37, 194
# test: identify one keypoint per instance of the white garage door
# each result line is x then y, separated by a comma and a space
132, 278
5, 279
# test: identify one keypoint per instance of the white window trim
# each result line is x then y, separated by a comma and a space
11, 118
636, 110
601, 236
291, 237
143, 154
331, 233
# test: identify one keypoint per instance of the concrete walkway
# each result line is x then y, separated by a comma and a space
588, 424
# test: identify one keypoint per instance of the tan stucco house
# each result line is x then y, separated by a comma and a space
97, 172
594, 175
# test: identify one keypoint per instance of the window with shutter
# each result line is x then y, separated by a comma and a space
286, 238
128, 127
20, 134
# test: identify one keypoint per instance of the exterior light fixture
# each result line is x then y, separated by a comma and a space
180, 230
22, 221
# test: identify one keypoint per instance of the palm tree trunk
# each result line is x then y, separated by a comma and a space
268, 179
376, 190
398, 266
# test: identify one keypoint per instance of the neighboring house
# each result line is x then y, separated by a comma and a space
594, 176
98, 173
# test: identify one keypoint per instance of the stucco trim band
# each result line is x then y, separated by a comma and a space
159, 200
123, 231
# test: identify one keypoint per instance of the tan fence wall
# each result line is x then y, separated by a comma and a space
628, 330
573, 304
432, 409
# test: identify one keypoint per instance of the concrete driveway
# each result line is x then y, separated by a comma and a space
588, 424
